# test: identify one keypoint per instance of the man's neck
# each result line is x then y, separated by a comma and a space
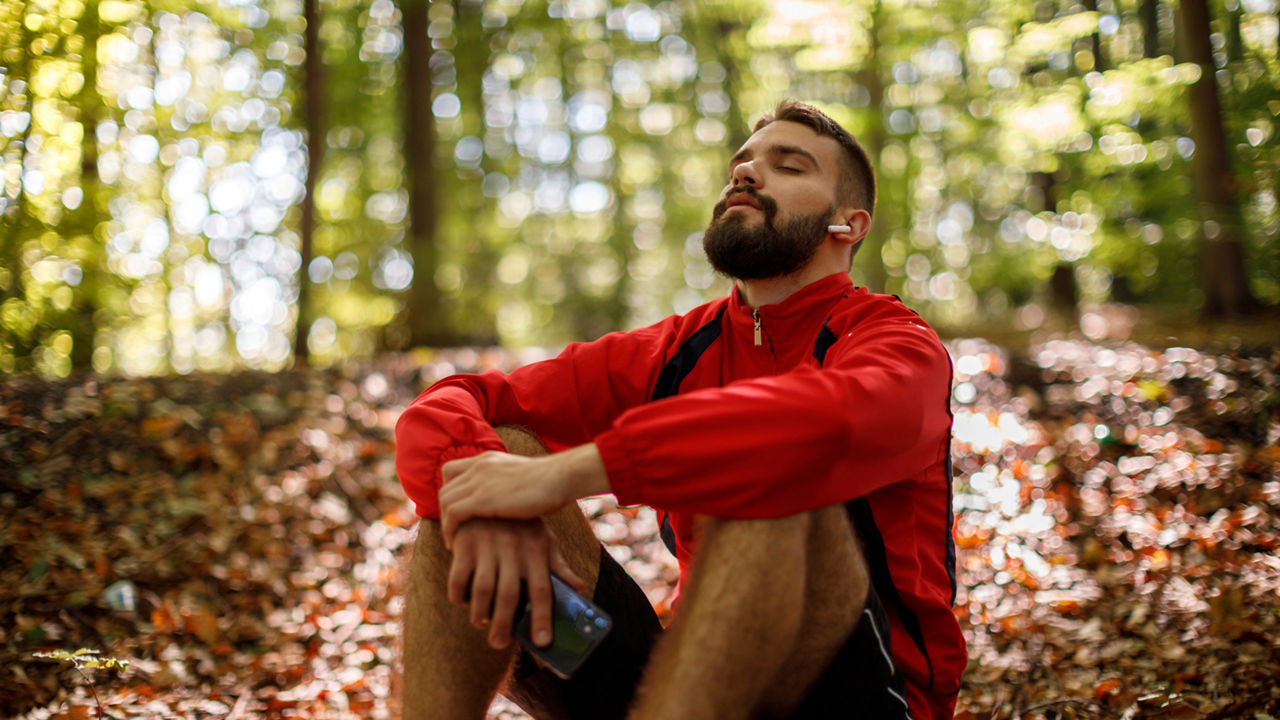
771, 291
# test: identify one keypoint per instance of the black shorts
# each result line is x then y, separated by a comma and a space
861, 680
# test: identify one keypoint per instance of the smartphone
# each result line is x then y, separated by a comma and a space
577, 628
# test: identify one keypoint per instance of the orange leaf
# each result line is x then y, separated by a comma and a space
163, 619
1107, 687
203, 624
160, 426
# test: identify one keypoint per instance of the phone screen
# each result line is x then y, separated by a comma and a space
577, 628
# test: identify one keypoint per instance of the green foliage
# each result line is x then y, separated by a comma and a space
153, 157
85, 658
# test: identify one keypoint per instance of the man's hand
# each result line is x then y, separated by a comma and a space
491, 557
499, 485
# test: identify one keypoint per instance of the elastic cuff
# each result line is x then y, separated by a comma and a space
457, 452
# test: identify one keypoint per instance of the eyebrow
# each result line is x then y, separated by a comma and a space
744, 154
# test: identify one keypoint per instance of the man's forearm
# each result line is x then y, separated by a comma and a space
500, 485
583, 471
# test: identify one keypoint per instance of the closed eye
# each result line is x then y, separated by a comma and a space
789, 170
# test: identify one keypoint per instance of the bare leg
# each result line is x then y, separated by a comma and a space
449, 669
768, 607
836, 583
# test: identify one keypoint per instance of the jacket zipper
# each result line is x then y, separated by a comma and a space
755, 315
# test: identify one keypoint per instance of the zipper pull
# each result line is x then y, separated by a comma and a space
755, 315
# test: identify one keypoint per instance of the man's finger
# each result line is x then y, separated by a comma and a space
538, 582
506, 596
561, 568
460, 572
452, 515
454, 468
482, 585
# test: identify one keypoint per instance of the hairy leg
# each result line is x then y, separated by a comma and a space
449, 669
746, 593
836, 583
769, 605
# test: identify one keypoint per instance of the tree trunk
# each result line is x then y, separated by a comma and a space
17, 344
1235, 37
872, 262
1222, 273
1150, 28
737, 124
165, 316
313, 102
84, 220
426, 311
1095, 40
471, 54
1064, 295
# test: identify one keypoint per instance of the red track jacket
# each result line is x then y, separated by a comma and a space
844, 399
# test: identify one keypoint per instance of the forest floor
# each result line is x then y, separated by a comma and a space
235, 538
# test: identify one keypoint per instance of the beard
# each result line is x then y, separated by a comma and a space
744, 251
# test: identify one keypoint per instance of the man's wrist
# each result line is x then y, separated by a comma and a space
583, 471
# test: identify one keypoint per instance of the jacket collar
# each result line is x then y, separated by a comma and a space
801, 314
819, 292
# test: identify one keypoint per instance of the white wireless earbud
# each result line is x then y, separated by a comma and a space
838, 228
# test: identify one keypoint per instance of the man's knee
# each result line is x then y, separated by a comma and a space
775, 533
520, 441
572, 530
837, 566
826, 534
820, 545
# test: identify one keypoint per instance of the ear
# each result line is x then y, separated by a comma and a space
859, 223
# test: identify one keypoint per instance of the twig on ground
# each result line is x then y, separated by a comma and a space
242, 702
1085, 705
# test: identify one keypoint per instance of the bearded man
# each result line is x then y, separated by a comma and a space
795, 440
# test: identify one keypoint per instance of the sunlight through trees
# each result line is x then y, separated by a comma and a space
538, 171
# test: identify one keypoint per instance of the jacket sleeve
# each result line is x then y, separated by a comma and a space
566, 400
877, 412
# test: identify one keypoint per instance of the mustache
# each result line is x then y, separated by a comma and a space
767, 204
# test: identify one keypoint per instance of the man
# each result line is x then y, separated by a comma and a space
794, 438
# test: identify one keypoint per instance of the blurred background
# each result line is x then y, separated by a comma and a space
221, 184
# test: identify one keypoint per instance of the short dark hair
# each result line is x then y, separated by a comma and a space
857, 183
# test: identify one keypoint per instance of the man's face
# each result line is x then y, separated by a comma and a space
772, 216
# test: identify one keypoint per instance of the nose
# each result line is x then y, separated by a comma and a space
744, 173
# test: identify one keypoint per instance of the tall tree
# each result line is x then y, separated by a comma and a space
1150, 13
85, 220
18, 336
1095, 39
869, 256
1222, 274
472, 55
426, 312
313, 71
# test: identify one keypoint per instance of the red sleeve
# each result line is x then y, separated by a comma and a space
875, 413
567, 401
